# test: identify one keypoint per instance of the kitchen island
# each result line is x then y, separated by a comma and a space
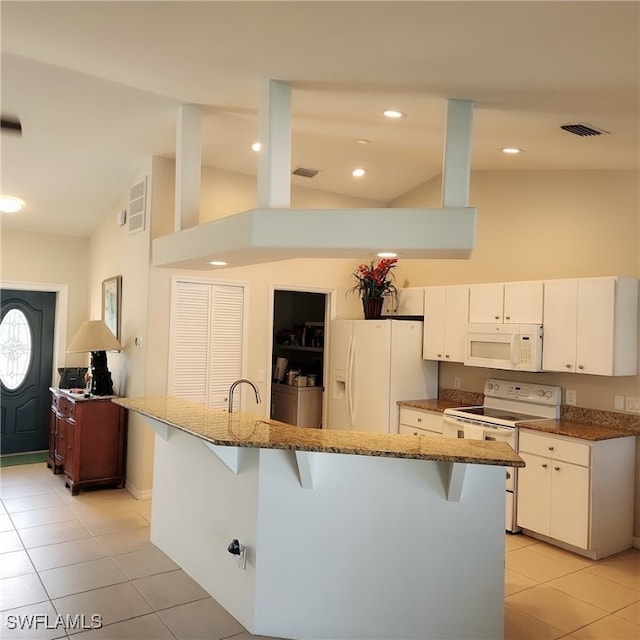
347, 535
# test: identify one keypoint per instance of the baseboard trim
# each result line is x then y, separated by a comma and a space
636, 542
138, 494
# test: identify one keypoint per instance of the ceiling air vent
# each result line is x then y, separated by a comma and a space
582, 129
305, 173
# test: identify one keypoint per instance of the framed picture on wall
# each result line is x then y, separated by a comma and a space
111, 301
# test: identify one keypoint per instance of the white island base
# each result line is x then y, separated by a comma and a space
338, 546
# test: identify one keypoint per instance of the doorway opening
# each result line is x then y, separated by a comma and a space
298, 357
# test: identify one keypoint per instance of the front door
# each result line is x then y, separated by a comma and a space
26, 365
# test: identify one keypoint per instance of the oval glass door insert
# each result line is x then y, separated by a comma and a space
15, 349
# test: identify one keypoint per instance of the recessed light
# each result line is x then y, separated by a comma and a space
511, 150
363, 141
10, 204
387, 254
393, 113
218, 263
358, 173
256, 146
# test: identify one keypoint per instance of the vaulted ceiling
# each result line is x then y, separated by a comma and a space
97, 87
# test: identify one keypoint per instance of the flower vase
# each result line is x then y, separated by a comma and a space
372, 308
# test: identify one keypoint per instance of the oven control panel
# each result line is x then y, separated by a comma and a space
530, 392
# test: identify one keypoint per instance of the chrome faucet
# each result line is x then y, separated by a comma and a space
232, 389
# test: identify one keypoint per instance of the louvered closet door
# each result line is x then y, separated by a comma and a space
206, 341
225, 361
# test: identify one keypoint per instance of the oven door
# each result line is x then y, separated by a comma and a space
461, 428
508, 435
456, 427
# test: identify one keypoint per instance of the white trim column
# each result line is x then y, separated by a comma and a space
274, 163
456, 163
188, 166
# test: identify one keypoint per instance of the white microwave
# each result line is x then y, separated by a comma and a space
504, 346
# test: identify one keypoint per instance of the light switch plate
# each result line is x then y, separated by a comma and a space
570, 397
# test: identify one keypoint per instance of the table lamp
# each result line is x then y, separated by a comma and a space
94, 336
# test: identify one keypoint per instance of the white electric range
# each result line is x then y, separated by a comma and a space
505, 404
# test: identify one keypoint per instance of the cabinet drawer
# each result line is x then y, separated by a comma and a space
566, 449
421, 419
65, 407
405, 430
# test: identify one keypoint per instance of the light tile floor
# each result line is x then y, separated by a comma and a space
551, 593
64, 555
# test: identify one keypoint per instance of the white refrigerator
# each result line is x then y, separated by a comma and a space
372, 365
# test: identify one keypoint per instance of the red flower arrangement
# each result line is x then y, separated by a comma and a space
375, 281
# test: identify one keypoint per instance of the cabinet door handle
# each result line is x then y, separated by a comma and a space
508, 317
415, 433
568, 366
419, 419
551, 448
545, 465
580, 366
557, 468
497, 317
439, 355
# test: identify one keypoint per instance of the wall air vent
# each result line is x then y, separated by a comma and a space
137, 206
305, 173
581, 129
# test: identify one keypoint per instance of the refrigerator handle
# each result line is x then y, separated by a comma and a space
349, 380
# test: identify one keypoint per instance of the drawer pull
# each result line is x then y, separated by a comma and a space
415, 433
550, 448
419, 419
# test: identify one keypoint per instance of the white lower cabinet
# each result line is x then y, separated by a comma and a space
568, 494
419, 422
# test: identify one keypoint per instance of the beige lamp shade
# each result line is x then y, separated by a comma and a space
94, 335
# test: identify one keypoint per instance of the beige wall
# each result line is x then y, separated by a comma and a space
60, 261
531, 225
536, 225
115, 252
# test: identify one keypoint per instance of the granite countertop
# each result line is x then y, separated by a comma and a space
246, 430
436, 405
586, 424
582, 430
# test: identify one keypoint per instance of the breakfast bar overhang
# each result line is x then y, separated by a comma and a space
347, 535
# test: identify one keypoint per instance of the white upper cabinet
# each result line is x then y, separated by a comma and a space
511, 302
591, 326
446, 314
410, 302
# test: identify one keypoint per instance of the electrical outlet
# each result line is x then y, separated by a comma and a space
632, 404
570, 397
456, 383
618, 403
